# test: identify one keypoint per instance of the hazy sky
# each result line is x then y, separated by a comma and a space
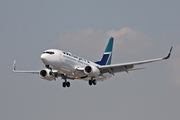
142, 30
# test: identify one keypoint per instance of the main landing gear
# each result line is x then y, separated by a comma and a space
92, 81
66, 84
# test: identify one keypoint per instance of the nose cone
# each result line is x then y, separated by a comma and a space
44, 58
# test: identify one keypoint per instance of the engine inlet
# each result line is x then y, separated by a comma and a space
88, 69
43, 73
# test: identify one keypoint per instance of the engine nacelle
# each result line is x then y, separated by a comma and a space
91, 71
46, 74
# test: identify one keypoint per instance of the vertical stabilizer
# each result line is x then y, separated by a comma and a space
106, 58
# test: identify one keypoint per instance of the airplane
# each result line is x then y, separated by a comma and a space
59, 63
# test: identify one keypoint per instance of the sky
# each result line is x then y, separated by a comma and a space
141, 29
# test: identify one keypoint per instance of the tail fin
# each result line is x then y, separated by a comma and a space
106, 58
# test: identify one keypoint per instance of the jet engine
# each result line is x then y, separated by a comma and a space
91, 71
46, 74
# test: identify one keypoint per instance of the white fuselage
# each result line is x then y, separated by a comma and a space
70, 65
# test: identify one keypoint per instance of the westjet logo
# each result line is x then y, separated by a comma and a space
76, 57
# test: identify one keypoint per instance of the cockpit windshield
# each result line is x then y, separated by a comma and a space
49, 52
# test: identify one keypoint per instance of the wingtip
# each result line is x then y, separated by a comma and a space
14, 66
171, 49
168, 54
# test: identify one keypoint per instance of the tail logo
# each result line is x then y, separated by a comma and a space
106, 58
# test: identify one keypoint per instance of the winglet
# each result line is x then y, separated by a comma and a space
168, 54
14, 66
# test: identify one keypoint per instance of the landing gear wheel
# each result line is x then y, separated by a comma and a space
94, 82
64, 84
90, 82
68, 84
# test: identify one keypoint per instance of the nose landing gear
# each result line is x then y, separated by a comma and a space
48, 67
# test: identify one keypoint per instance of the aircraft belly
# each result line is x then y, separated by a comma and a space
103, 77
99, 78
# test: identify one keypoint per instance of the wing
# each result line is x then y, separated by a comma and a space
115, 68
18, 71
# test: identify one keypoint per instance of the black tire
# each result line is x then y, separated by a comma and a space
90, 82
64, 84
68, 84
94, 82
